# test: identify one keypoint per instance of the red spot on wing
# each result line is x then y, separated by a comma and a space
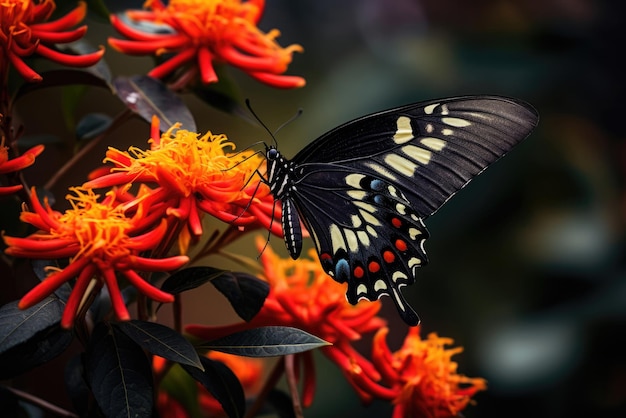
359, 272
400, 245
396, 222
373, 267
389, 257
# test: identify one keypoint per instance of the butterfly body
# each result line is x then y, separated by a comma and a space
363, 189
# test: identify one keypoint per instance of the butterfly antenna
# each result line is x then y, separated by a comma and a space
291, 119
258, 119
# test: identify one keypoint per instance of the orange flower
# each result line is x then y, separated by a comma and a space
25, 160
100, 241
24, 32
421, 378
207, 31
303, 296
195, 173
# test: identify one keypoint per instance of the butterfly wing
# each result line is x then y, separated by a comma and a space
364, 188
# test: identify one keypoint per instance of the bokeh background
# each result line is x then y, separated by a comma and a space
527, 268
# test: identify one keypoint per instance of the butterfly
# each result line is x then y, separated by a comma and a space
364, 189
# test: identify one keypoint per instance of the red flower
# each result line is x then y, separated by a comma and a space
25, 160
420, 378
196, 174
24, 32
100, 241
207, 31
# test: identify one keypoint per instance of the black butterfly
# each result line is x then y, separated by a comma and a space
364, 189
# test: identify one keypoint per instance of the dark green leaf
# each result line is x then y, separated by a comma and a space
162, 341
119, 374
65, 77
266, 342
147, 97
190, 278
92, 125
222, 383
20, 325
245, 292
39, 349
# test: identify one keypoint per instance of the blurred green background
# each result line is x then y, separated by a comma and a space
526, 264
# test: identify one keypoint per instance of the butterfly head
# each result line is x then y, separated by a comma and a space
271, 153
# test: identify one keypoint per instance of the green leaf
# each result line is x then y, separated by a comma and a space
119, 374
147, 97
190, 278
162, 341
222, 383
65, 77
266, 342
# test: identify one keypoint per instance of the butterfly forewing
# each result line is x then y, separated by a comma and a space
364, 188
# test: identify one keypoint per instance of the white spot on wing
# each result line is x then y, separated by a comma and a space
380, 285
353, 242
447, 132
398, 275
404, 133
363, 238
414, 232
401, 164
357, 194
337, 238
430, 108
401, 209
364, 205
361, 289
434, 144
380, 170
419, 154
456, 122
354, 180
369, 219
356, 221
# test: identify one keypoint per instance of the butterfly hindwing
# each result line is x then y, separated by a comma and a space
369, 236
363, 189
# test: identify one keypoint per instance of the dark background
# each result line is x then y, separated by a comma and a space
526, 268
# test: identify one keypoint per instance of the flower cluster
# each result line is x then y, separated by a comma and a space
100, 240
24, 31
122, 225
419, 379
203, 32
194, 174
